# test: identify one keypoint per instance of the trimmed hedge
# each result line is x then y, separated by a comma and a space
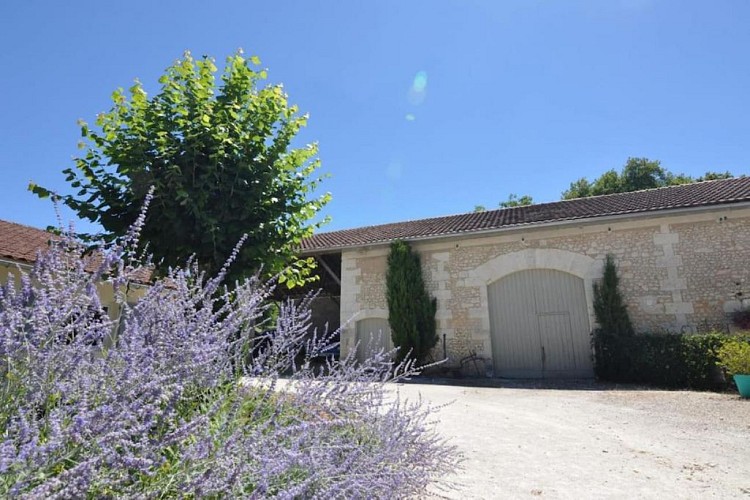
664, 360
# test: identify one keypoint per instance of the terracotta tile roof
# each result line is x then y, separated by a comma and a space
650, 200
21, 243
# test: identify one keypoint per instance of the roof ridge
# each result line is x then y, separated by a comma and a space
682, 196
26, 226
659, 188
542, 204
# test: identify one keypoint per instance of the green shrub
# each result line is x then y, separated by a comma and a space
664, 360
411, 311
734, 355
609, 306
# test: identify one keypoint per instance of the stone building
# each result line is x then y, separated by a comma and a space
514, 287
20, 245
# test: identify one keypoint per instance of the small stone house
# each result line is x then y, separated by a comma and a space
19, 246
514, 287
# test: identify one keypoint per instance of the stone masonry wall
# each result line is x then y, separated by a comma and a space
678, 273
716, 267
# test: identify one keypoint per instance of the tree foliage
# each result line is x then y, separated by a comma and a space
515, 201
609, 307
714, 176
220, 159
411, 311
636, 174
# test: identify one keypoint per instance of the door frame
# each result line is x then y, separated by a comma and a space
520, 339
480, 277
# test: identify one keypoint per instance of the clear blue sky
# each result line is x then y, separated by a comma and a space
421, 108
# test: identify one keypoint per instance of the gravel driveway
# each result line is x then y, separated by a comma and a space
588, 441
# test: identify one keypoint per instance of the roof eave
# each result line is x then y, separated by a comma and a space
665, 212
11, 262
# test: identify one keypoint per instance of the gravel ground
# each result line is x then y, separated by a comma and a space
583, 440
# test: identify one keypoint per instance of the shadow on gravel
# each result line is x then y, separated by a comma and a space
545, 384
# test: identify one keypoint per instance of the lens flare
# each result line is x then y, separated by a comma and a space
420, 81
418, 89
410, 117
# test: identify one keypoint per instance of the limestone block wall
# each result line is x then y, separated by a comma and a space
362, 291
679, 272
715, 265
11, 270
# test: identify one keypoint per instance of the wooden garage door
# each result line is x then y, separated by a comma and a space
373, 334
540, 325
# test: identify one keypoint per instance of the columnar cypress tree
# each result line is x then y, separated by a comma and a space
609, 306
411, 311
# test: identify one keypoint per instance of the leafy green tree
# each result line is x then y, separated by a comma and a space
411, 311
636, 174
609, 306
714, 176
678, 179
220, 160
642, 173
580, 188
514, 201
609, 182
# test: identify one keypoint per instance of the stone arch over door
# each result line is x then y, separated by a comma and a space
581, 266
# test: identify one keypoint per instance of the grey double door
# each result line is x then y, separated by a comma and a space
373, 335
540, 325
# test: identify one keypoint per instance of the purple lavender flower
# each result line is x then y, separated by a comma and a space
180, 396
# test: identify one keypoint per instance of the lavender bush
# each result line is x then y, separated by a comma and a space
181, 397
